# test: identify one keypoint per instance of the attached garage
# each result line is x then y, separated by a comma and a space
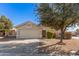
29, 30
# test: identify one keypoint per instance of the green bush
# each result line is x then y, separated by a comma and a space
51, 35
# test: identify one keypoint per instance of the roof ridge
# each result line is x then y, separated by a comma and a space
25, 23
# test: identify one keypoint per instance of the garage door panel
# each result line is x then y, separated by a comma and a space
30, 33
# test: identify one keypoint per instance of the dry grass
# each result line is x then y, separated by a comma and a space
71, 44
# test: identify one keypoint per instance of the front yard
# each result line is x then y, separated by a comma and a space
50, 46
72, 44
33, 47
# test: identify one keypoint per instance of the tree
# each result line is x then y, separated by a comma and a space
5, 24
1, 26
77, 30
59, 16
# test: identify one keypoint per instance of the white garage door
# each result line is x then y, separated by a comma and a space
29, 33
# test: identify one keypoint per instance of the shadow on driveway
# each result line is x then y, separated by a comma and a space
19, 49
16, 47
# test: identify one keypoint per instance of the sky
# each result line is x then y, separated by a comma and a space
19, 12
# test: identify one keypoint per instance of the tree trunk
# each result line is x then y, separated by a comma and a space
62, 36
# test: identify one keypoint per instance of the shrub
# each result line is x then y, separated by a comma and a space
51, 35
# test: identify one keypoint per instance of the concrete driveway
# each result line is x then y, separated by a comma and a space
19, 47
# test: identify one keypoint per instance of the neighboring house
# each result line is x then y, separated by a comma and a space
76, 34
2, 32
12, 32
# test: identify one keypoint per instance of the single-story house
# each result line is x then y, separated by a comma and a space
28, 30
33, 31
